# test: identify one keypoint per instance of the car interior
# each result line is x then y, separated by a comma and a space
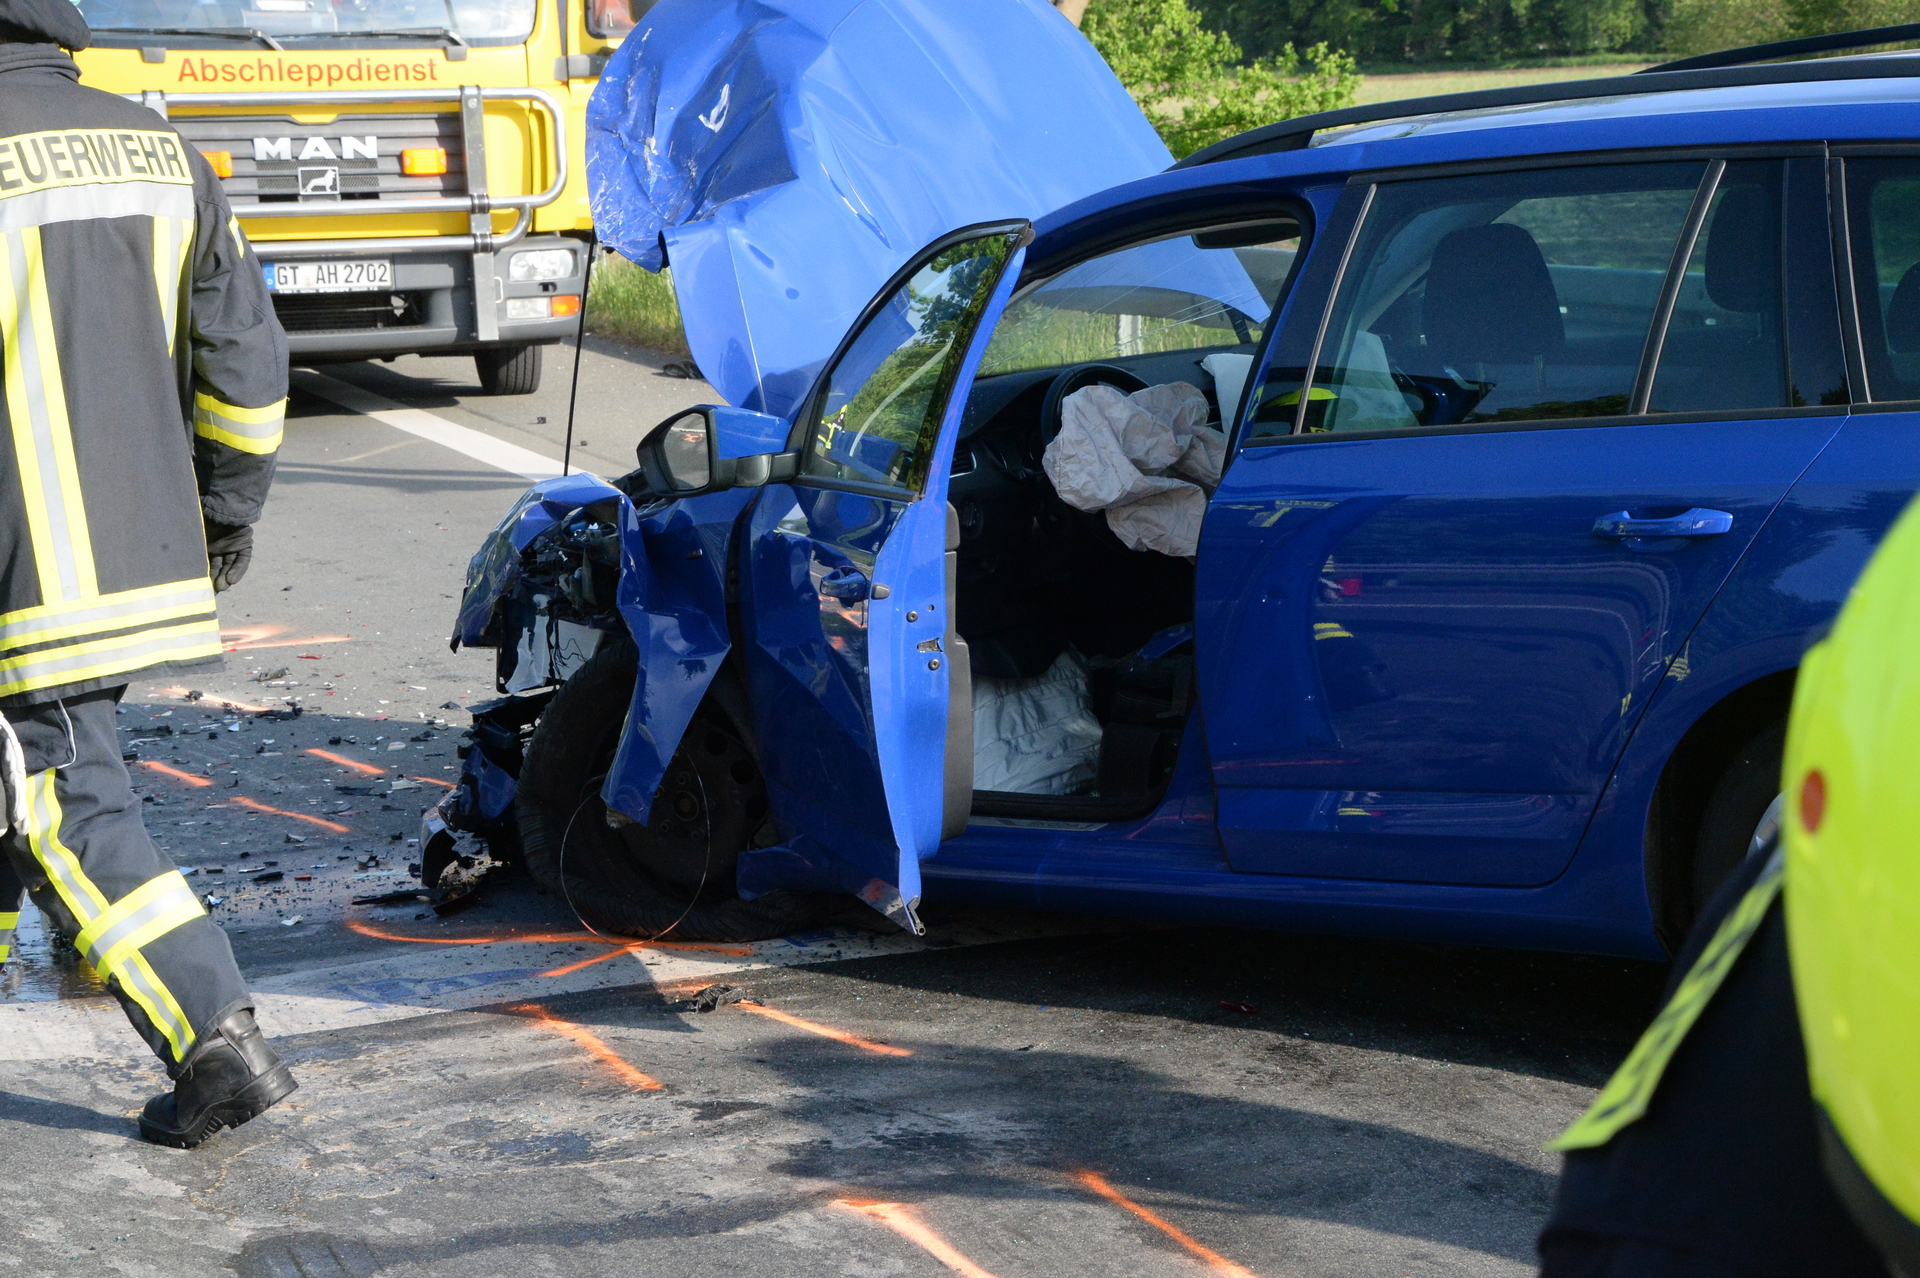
1081, 648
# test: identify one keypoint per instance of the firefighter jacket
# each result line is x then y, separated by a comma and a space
146, 381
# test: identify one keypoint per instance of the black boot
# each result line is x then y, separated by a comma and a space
229, 1077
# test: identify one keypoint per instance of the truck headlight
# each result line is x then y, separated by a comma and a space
541, 264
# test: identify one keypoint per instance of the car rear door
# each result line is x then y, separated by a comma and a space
1443, 576
846, 592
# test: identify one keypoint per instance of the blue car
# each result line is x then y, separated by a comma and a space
1404, 521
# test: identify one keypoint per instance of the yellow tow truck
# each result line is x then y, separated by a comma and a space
411, 172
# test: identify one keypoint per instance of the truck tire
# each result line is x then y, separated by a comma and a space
1741, 801
508, 370
674, 876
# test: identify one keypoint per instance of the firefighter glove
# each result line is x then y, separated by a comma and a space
229, 551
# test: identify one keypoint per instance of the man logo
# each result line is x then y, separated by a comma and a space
317, 148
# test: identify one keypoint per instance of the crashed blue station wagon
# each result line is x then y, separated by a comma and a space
1401, 521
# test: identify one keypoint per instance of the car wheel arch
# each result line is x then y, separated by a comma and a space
1688, 778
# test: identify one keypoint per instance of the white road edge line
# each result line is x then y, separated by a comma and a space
478, 445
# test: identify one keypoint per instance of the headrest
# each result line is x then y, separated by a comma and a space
1490, 300
44, 22
1903, 313
1743, 251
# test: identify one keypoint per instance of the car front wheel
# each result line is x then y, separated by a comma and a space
675, 875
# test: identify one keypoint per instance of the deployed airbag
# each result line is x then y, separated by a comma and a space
1036, 736
1146, 459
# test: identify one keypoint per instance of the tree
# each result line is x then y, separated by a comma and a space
1189, 80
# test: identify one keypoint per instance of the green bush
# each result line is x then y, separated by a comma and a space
1189, 82
634, 305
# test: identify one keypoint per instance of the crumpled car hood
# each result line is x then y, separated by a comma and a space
790, 155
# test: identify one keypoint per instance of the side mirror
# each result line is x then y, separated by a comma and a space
712, 448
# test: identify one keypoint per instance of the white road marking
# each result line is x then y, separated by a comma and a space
478, 445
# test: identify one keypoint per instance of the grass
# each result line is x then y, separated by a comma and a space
635, 305
1420, 84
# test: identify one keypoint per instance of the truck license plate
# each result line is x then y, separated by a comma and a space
364, 275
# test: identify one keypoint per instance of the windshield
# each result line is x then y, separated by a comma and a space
475, 21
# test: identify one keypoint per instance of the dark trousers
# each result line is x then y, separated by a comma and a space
91, 869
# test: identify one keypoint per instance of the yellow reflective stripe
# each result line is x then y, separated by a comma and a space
172, 237
145, 987
251, 430
1331, 630
239, 240
1628, 1093
37, 413
8, 922
104, 940
77, 663
87, 904
61, 866
119, 611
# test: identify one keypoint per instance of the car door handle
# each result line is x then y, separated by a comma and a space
1694, 523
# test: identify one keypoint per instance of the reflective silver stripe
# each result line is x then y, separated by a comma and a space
174, 896
157, 1002
198, 592
85, 203
63, 870
52, 491
38, 665
204, 416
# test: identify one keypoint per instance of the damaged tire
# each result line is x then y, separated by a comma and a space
675, 875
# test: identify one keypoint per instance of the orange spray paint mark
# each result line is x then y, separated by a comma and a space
267, 637
547, 938
901, 1219
364, 769
258, 806
592, 1043
1207, 1256
824, 1031
571, 968
175, 773
434, 781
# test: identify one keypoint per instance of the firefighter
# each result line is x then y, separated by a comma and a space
145, 385
1768, 1123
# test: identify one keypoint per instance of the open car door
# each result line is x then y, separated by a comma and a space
860, 685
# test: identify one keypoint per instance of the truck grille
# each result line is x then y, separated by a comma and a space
274, 156
337, 312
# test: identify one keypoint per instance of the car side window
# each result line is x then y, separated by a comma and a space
1491, 298
1883, 207
1726, 341
876, 418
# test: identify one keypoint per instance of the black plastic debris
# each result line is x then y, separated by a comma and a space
405, 897
716, 996
195, 694
1245, 1009
682, 368
271, 876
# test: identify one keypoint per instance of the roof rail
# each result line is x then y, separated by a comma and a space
1294, 134
1793, 48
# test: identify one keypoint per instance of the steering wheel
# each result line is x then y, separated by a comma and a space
1079, 378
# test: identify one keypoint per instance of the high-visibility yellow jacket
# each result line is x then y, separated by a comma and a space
146, 381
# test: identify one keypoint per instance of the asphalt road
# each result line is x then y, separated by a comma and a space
501, 1093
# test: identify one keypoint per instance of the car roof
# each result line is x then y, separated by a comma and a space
1872, 99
